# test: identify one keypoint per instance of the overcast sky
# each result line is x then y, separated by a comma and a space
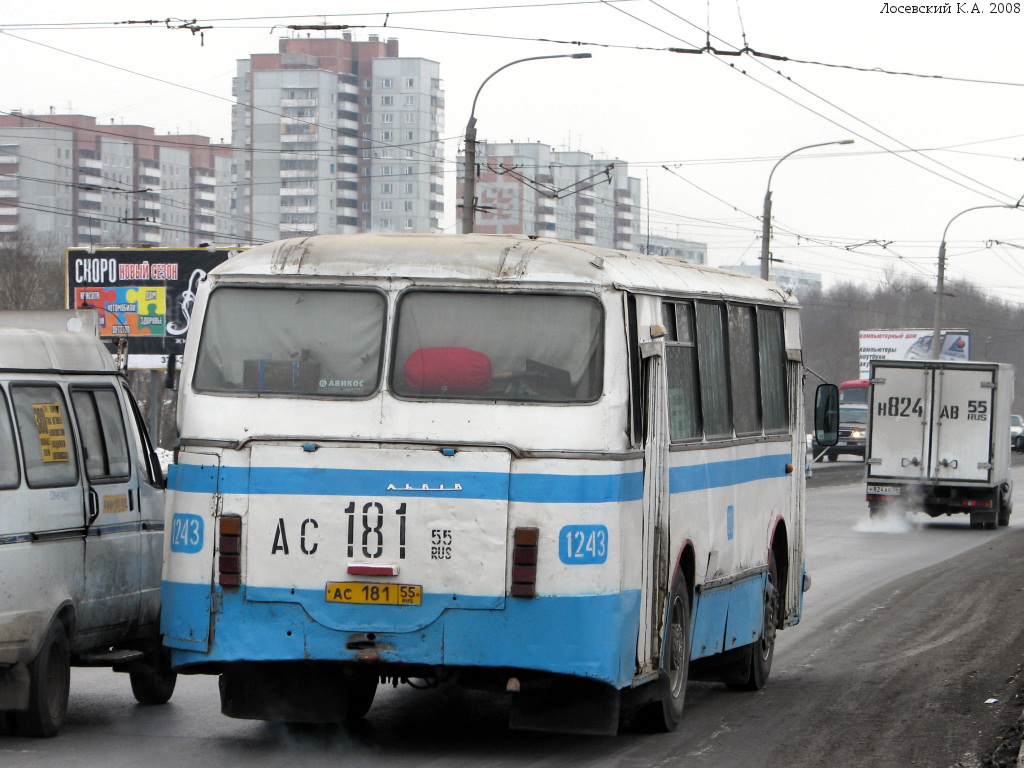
702, 131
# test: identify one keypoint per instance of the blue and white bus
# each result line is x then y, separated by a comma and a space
569, 473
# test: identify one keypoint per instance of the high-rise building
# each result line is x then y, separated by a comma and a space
528, 188
673, 247
794, 280
335, 136
90, 184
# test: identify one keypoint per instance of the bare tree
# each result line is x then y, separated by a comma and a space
31, 272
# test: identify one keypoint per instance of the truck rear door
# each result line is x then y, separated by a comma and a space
962, 424
897, 426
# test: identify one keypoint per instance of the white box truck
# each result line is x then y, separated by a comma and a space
939, 439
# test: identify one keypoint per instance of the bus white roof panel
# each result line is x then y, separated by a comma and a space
500, 258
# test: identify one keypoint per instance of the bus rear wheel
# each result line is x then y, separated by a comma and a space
359, 691
663, 715
763, 651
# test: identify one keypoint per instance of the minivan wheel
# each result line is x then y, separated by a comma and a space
49, 682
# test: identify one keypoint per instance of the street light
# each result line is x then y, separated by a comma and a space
940, 283
766, 221
469, 185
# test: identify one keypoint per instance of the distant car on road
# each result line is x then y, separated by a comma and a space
853, 433
1017, 432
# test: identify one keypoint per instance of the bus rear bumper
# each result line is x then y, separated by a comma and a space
588, 636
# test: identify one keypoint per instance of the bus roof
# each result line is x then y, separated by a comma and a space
499, 258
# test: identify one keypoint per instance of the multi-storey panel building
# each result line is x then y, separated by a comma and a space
336, 136
90, 184
531, 189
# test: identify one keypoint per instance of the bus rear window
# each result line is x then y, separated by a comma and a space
291, 341
501, 347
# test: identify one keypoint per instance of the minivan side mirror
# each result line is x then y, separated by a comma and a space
826, 414
170, 380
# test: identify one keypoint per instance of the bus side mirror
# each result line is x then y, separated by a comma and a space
826, 414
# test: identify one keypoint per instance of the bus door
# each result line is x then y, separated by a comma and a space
655, 534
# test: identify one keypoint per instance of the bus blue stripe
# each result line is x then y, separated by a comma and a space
526, 487
720, 474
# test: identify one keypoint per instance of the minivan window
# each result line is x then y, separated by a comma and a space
10, 477
101, 429
291, 341
44, 428
498, 346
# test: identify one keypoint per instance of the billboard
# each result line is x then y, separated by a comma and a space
910, 344
142, 294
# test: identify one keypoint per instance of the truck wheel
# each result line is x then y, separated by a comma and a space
153, 683
1004, 514
764, 649
664, 715
49, 682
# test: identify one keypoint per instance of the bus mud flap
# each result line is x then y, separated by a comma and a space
569, 705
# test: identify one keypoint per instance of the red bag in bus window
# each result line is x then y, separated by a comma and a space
451, 370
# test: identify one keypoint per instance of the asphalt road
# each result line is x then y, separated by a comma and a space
909, 653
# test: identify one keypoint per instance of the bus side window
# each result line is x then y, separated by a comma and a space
743, 370
637, 389
10, 475
684, 414
771, 347
714, 379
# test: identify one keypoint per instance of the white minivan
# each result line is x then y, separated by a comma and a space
81, 528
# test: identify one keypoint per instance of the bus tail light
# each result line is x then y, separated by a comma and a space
229, 550
524, 562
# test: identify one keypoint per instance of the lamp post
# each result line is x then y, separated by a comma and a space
469, 183
940, 283
767, 217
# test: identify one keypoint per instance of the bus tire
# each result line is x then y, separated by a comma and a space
763, 651
663, 715
49, 683
153, 682
360, 690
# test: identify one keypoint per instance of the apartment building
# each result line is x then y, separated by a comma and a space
529, 188
336, 135
673, 247
90, 184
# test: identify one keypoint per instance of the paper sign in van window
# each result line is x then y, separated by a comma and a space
116, 504
53, 438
